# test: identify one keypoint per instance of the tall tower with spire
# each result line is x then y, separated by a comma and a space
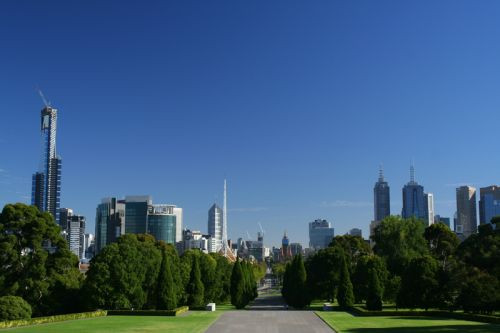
381, 197
46, 182
414, 199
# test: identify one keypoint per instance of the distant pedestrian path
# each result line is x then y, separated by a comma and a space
269, 315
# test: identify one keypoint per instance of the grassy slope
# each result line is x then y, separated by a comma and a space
344, 322
195, 321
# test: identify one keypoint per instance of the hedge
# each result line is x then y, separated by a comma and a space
52, 319
174, 312
359, 311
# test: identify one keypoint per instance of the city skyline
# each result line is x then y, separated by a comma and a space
295, 105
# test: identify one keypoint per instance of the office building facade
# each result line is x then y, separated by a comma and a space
109, 222
356, 232
489, 203
321, 234
161, 223
466, 222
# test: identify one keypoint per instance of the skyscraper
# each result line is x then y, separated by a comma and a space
46, 183
109, 222
429, 207
489, 203
285, 251
74, 230
136, 215
161, 222
414, 199
381, 197
466, 223
320, 234
215, 224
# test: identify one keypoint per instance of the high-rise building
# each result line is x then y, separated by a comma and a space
177, 211
46, 183
76, 235
489, 203
215, 224
443, 220
136, 213
466, 223
74, 231
285, 251
429, 207
356, 232
64, 214
109, 222
321, 234
161, 222
87, 244
296, 248
382, 198
414, 202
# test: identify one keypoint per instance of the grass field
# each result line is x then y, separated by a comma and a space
194, 321
344, 322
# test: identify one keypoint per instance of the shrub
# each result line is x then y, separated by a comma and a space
14, 308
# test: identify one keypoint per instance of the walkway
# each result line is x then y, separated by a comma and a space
268, 314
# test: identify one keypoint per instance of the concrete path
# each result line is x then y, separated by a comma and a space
268, 314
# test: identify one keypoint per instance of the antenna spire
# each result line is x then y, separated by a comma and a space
224, 221
412, 172
380, 173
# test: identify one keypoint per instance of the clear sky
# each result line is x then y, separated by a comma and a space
295, 102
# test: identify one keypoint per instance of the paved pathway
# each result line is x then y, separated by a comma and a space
268, 314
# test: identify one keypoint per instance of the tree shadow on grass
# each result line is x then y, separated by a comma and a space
487, 328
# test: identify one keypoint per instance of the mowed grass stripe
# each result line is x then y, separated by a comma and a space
344, 322
195, 321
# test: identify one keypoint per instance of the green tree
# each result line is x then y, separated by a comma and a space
287, 286
480, 292
124, 274
398, 240
345, 295
419, 286
375, 291
298, 295
323, 269
362, 275
14, 308
222, 278
354, 248
49, 280
442, 242
195, 288
167, 298
237, 286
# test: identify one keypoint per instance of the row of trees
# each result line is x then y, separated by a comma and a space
136, 272
410, 265
243, 286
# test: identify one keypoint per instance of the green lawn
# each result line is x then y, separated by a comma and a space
193, 321
344, 322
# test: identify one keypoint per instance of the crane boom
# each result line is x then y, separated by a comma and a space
47, 104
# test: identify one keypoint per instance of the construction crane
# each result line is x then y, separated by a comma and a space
261, 229
47, 104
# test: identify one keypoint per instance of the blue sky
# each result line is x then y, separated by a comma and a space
295, 102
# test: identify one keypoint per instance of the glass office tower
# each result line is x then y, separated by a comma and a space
162, 223
489, 203
46, 183
381, 197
